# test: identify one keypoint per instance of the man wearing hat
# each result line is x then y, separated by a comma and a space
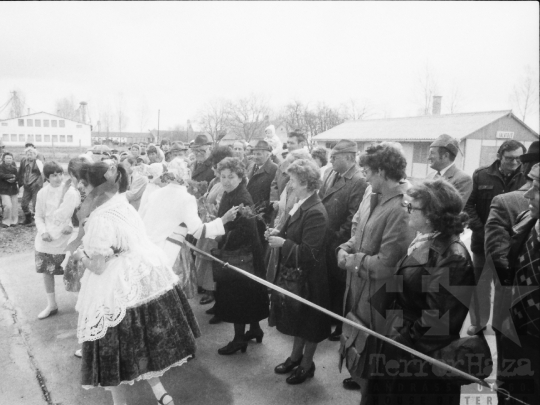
518, 341
442, 154
502, 176
261, 175
505, 209
178, 149
341, 193
202, 169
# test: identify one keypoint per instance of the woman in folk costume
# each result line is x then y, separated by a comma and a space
135, 323
169, 215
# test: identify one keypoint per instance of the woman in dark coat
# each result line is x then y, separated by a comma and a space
240, 301
302, 236
9, 191
430, 309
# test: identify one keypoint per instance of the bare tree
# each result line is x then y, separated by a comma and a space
455, 100
356, 110
121, 117
143, 114
106, 120
524, 97
18, 103
294, 114
248, 116
213, 118
426, 88
327, 117
67, 108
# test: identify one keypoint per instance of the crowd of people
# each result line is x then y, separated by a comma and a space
343, 229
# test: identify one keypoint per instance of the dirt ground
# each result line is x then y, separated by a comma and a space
18, 239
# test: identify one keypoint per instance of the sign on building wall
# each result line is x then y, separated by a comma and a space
504, 135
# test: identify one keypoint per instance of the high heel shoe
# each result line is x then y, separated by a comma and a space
257, 335
233, 347
300, 374
287, 366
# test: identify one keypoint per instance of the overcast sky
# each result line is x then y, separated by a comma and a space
177, 56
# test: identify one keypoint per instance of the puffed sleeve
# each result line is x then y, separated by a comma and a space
99, 237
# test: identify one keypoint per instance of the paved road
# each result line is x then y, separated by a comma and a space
38, 366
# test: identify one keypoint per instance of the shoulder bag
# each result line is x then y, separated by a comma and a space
241, 258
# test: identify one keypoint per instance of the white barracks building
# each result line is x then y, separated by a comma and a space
44, 129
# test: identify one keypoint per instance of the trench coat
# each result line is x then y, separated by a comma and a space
380, 241
305, 231
241, 301
459, 179
424, 317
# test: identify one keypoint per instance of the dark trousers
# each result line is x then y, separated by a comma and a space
28, 201
480, 307
336, 285
518, 368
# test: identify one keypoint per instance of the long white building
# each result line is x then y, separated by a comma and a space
44, 129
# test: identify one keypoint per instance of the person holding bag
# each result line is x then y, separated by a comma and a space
430, 308
239, 300
302, 271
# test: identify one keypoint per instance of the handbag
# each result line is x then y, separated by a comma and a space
72, 274
241, 258
294, 280
470, 354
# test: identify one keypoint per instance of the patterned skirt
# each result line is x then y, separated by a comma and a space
151, 339
49, 263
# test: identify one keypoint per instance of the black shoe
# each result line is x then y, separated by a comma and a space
211, 311
335, 336
300, 374
288, 366
4, 226
28, 220
257, 335
200, 290
214, 320
233, 347
350, 384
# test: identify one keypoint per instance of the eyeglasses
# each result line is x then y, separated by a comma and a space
410, 208
512, 159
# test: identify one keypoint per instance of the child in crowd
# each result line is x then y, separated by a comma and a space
54, 208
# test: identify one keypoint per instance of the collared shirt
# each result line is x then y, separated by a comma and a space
443, 171
298, 204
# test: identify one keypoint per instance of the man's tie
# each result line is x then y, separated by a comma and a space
336, 179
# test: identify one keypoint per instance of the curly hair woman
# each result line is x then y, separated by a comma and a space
436, 256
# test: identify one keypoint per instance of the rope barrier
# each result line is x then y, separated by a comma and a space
431, 360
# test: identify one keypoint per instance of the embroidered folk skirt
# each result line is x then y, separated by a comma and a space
150, 339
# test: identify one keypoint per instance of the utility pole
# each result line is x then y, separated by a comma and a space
158, 112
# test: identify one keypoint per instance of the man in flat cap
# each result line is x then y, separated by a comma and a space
202, 169
442, 156
261, 175
341, 193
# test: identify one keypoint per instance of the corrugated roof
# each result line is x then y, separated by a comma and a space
423, 128
43, 112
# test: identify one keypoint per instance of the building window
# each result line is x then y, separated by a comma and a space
420, 152
5, 137
55, 138
30, 138
13, 138
37, 123
47, 138
54, 123
4, 124
62, 123
70, 138
62, 138
29, 123
21, 137
45, 123
38, 138
21, 123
